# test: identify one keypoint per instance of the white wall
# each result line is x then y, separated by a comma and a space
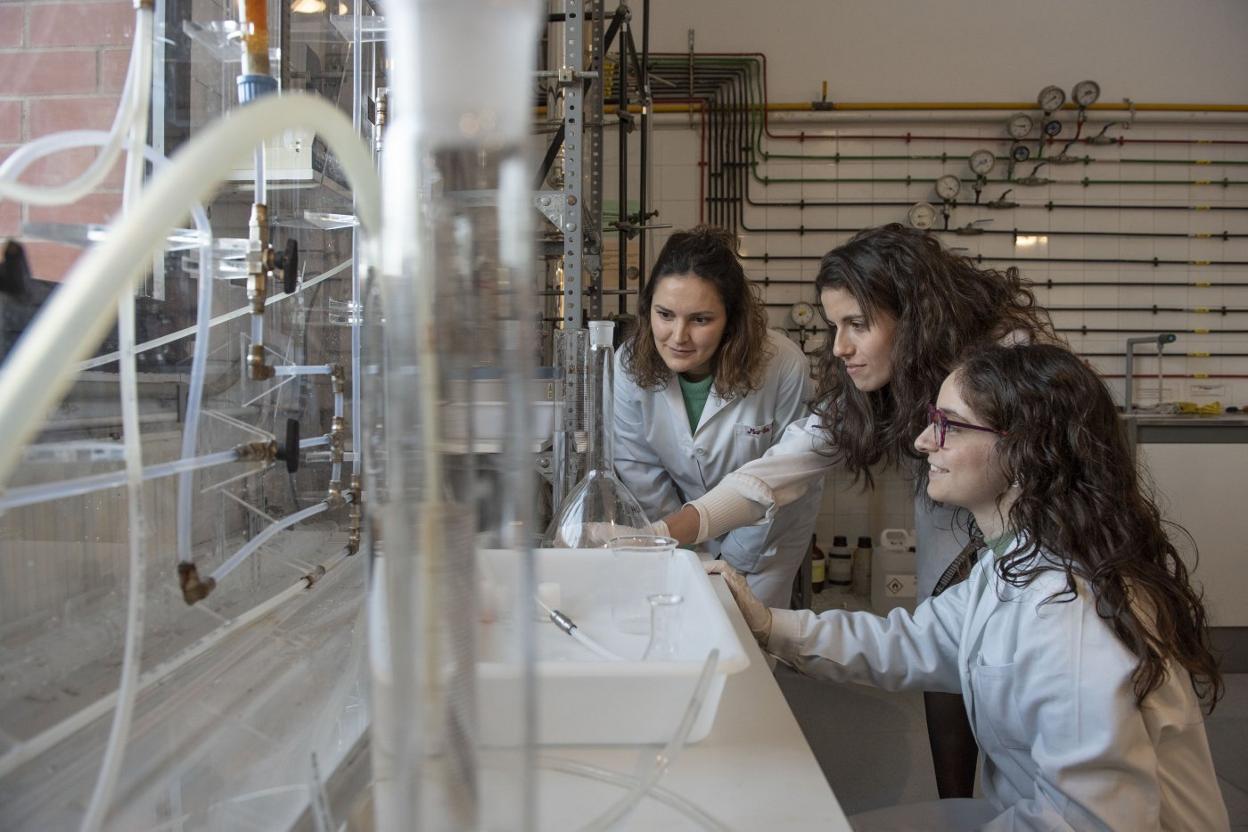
977, 50
974, 50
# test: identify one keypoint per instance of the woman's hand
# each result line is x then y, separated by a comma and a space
683, 525
757, 616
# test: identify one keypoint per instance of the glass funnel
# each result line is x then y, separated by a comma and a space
600, 507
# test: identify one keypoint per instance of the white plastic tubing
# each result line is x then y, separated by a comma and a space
73, 322
139, 96
129, 107
72, 139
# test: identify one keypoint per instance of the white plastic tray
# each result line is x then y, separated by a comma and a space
583, 699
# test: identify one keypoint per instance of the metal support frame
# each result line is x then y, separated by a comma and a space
572, 224
593, 143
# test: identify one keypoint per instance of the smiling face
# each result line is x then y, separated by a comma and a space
688, 319
967, 471
866, 348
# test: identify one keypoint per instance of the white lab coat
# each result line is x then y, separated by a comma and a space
800, 461
1049, 694
665, 464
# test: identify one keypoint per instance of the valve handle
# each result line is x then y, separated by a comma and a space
288, 262
289, 453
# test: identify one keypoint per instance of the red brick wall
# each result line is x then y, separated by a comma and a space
62, 65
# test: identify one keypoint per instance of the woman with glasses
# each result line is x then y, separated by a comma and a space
701, 388
900, 309
1077, 641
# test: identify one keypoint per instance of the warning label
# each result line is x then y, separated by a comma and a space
899, 586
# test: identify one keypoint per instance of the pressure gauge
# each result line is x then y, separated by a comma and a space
1051, 98
802, 313
922, 215
982, 162
1019, 125
1052, 127
1085, 93
1020, 153
947, 187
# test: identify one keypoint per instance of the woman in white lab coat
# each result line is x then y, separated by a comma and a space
1077, 641
703, 387
900, 309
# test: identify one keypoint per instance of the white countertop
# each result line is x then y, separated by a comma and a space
753, 772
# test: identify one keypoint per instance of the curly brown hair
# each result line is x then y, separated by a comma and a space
1080, 499
943, 304
743, 353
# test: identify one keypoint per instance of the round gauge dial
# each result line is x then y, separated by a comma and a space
982, 162
1019, 125
1052, 127
1051, 99
1085, 93
922, 215
947, 187
802, 313
1020, 153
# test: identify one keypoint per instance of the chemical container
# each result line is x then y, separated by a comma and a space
893, 572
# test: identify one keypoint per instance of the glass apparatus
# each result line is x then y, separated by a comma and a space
600, 507
664, 627
457, 289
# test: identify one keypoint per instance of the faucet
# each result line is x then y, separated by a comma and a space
1160, 340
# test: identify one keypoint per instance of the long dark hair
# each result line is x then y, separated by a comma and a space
943, 304
1080, 499
709, 253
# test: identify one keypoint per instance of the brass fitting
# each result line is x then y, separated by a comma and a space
338, 378
257, 369
357, 517
333, 494
193, 588
314, 576
258, 285
257, 451
337, 439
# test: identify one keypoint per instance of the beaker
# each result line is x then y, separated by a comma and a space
664, 627
641, 566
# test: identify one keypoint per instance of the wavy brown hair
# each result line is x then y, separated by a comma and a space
943, 304
708, 253
1080, 499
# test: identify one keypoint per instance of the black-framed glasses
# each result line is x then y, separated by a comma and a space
937, 418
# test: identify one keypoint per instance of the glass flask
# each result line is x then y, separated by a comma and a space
664, 627
600, 507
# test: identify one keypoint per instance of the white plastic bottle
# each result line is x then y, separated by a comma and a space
893, 572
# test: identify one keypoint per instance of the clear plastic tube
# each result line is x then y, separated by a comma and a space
86, 182
302, 370
33, 494
665, 796
73, 139
223, 318
261, 182
119, 732
41, 365
264, 536
664, 759
23, 753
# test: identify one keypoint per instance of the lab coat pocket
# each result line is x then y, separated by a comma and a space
995, 701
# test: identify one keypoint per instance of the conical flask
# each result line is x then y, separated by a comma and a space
600, 507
